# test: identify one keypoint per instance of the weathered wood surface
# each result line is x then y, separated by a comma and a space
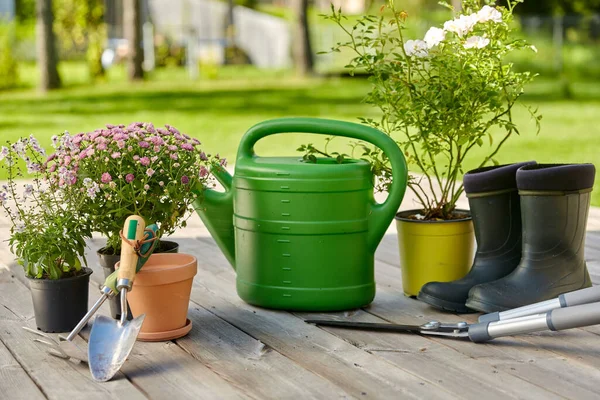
239, 351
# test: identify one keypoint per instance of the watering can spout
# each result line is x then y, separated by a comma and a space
216, 211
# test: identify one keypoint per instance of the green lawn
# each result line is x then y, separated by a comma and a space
219, 111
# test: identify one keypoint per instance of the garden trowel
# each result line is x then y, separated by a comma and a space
70, 347
111, 341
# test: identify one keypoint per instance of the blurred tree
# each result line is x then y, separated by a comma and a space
302, 51
558, 7
234, 55
8, 64
46, 46
414, 8
80, 26
25, 10
132, 26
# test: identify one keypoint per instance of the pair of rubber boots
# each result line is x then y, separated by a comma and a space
530, 224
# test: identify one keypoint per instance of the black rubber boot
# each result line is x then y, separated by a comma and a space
555, 201
496, 213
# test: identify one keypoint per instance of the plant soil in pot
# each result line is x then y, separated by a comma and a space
162, 290
59, 304
108, 259
440, 251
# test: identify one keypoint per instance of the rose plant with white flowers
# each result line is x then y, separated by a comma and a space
444, 95
48, 233
136, 169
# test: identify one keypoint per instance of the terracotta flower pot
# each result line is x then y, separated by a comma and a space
108, 260
162, 290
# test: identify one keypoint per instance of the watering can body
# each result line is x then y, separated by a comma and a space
302, 236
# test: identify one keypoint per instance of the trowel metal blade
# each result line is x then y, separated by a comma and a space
110, 344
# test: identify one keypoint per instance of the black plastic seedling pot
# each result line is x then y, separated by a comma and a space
60, 304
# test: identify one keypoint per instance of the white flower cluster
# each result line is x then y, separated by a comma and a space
19, 227
460, 26
417, 48
28, 192
4, 153
65, 141
35, 145
92, 188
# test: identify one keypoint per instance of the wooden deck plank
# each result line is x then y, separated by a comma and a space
392, 280
163, 370
392, 293
516, 355
244, 351
250, 364
434, 361
524, 356
354, 370
15, 384
244, 362
67, 381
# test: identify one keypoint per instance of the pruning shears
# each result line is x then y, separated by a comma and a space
570, 310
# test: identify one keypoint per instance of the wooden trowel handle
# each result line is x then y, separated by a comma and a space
133, 230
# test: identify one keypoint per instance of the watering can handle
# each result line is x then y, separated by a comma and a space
381, 214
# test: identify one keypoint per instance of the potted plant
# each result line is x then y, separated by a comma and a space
440, 97
135, 169
162, 292
47, 236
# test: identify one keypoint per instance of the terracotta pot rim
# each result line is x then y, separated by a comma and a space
166, 268
401, 216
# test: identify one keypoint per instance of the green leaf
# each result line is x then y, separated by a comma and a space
462, 140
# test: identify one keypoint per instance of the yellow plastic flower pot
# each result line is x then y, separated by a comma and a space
431, 251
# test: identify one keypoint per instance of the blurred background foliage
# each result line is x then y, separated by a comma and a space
217, 100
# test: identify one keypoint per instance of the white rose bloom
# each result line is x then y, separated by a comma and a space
416, 48
476, 42
462, 25
488, 13
434, 36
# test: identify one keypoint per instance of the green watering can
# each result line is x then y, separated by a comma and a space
302, 236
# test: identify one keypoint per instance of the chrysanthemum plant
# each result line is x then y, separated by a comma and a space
439, 97
47, 232
135, 169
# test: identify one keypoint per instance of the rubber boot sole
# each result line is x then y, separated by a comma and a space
444, 305
487, 308
484, 307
